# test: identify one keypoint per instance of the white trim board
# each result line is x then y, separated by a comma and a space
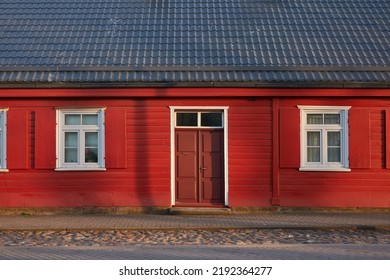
225, 136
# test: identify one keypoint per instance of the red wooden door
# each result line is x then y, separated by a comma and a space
199, 167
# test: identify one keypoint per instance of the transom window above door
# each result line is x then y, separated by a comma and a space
199, 119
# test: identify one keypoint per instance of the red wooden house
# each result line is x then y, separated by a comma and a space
251, 103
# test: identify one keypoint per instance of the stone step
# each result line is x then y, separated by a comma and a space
199, 211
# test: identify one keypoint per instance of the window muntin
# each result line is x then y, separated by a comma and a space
3, 139
80, 139
324, 138
199, 119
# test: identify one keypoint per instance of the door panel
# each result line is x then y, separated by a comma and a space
199, 167
186, 166
186, 190
187, 142
212, 140
212, 191
212, 166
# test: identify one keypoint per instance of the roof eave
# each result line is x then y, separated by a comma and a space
207, 84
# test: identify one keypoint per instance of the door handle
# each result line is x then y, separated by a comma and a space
203, 168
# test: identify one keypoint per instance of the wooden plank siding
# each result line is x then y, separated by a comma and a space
378, 138
18, 126
250, 153
363, 186
141, 176
144, 178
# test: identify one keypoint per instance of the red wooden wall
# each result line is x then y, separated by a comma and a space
137, 153
263, 147
368, 182
250, 153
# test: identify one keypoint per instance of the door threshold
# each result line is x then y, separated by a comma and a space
199, 211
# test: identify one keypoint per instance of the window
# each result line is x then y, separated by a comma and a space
80, 139
199, 119
324, 138
3, 137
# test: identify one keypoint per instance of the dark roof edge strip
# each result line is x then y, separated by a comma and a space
207, 68
330, 85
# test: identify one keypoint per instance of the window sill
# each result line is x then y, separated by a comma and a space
80, 169
326, 169
4, 170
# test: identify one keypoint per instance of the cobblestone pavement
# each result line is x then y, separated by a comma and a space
202, 252
191, 237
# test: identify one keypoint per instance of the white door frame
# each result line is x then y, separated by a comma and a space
225, 140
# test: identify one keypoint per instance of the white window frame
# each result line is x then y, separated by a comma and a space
3, 140
81, 165
324, 165
225, 127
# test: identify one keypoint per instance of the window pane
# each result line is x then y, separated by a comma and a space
72, 119
186, 119
91, 154
332, 119
334, 150
313, 146
71, 147
313, 138
334, 155
71, 155
313, 154
91, 147
334, 138
91, 139
71, 139
314, 119
90, 119
211, 119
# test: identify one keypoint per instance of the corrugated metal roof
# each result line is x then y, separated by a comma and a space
174, 41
